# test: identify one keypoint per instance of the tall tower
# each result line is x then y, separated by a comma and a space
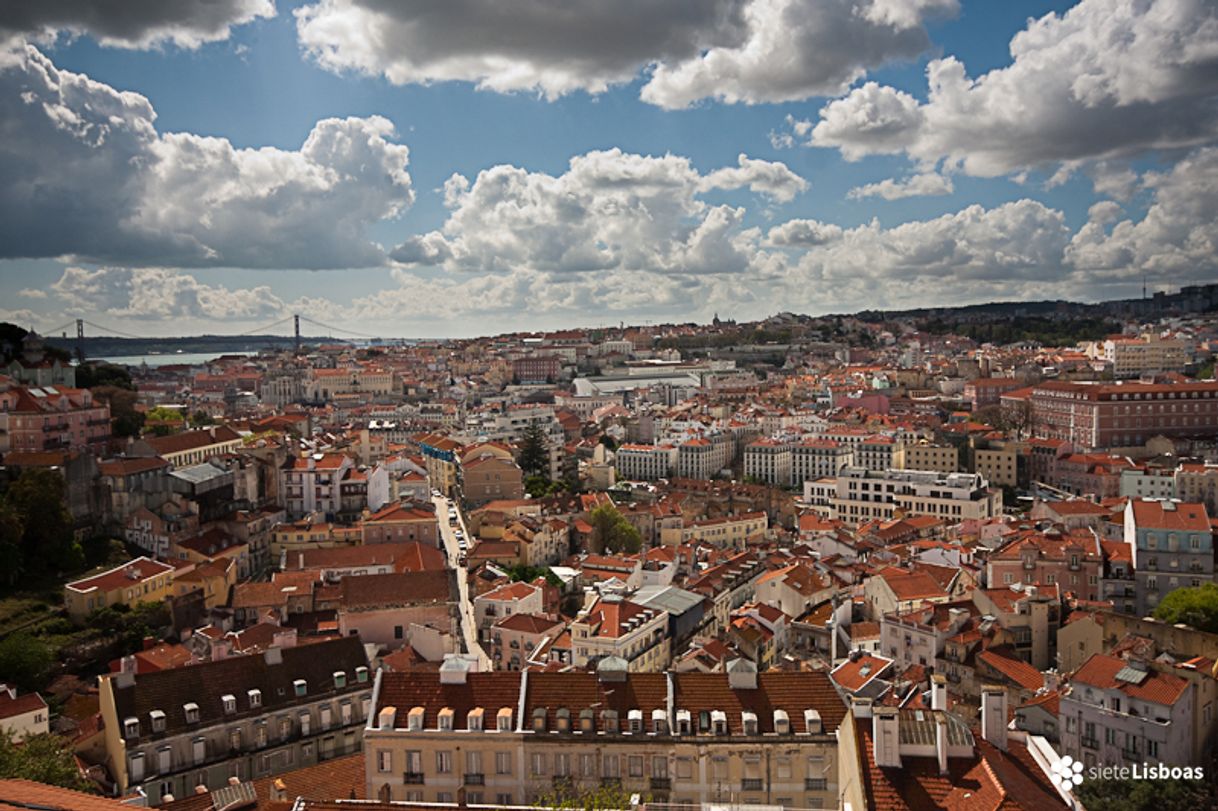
80, 340
296, 319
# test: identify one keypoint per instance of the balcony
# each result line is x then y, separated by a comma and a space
475, 779
752, 784
816, 784
413, 778
660, 784
1089, 743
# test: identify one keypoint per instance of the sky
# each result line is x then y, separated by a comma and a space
450, 168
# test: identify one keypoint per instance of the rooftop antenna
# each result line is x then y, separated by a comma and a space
1143, 286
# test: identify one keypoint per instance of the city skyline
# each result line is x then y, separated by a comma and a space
456, 171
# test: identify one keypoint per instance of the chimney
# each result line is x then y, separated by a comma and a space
279, 791
938, 692
149, 643
742, 674
885, 734
166, 799
200, 789
994, 715
127, 664
941, 741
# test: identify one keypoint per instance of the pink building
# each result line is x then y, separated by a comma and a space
51, 418
1073, 562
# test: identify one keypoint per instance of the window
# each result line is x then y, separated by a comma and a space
503, 799
610, 766
1152, 748
659, 766
444, 797
164, 760
414, 762
326, 716
587, 765
537, 764
444, 762
234, 739
301, 687
634, 765
230, 704
137, 767
198, 750
255, 697
156, 716
305, 722
503, 763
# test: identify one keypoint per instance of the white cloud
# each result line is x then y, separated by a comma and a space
921, 185
609, 211
1106, 80
550, 46
733, 50
803, 233
131, 23
157, 294
771, 178
797, 49
1176, 240
87, 175
30, 292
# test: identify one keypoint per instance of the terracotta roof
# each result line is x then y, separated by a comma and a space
10, 706
22, 795
192, 440
528, 623
1017, 670
1181, 517
134, 571
374, 591
853, 674
491, 691
906, 586
130, 467
1158, 688
790, 691
341, 779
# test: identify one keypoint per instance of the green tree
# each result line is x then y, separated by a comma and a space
534, 451
25, 660
601, 798
1196, 606
1144, 795
12, 530
125, 419
611, 532
47, 541
528, 574
100, 373
200, 419
42, 758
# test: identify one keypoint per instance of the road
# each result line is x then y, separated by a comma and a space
469, 632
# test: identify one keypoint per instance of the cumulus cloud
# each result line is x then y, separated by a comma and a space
803, 233
86, 174
921, 185
796, 49
1176, 240
158, 294
610, 210
131, 23
1105, 80
551, 46
733, 50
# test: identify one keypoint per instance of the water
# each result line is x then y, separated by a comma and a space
190, 358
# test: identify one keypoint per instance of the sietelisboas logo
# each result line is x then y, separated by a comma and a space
1068, 773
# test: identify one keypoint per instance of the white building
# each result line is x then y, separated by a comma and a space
769, 460
862, 495
645, 462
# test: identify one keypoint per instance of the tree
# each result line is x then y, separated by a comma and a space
1143, 795
125, 419
539, 486
47, 541
601, 798
200, 418
528, 574
12, 530
611, 532
100, 373
25, 660
1196, 606
534, 451
42, 758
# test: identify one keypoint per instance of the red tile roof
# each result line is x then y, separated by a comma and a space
1158, 688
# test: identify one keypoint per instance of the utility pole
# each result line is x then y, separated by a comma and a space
80, 340
296, 319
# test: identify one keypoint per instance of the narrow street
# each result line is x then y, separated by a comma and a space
453, 550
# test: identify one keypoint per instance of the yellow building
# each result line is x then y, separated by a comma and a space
214, 578
939, 458
298, 536
999, 465
508, 738
142, 580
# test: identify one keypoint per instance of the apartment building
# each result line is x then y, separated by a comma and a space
51, 419
504, 601
1116, 712
507, 738
703, 457
23, 715
925, 456
612, 626
1095, 415
813, 459
728, 532
142, 580
194, 447
879, 452
328, 384
1172, 544
248, 716
769, 460
401, 523
862, 495
636, 462
1133, 356
1075, 562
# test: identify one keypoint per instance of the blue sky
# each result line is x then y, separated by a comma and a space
612, 186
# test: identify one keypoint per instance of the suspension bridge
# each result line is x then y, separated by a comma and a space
295, 320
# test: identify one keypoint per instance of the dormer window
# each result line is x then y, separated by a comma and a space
749, 722
635, 720
684, 723
719, 722
230, 703
131, 728
659, 722
564, 719
539, 719
158, 720
361, 674
473, 721
191, 710
414, 720
255, 697
301, 687
609, 721
587, 721
782, 722
446, 719
340, 679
